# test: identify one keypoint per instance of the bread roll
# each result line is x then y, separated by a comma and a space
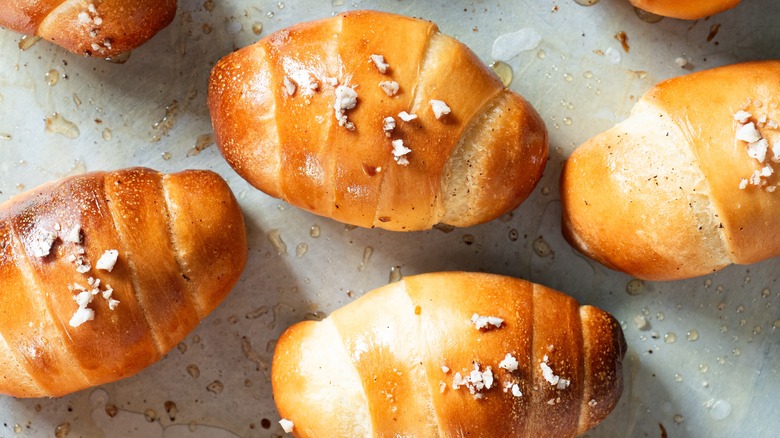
99, 28
409, 359
285, 117
687, 184
154, 253
685, 9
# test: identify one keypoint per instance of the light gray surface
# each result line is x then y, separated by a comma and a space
726, 383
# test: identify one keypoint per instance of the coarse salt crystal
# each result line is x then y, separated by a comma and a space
43, 243
400, 151
389, 87
107, 260
767, 171
548, 374
439, 108
306, 81
776, 151
758, 149
742, 116
379, 62
516, 391
743, 183
91, 8
287, 425
388, 125
74, 235
289, 86
406, 117
84, 18
592, 403
748, 133
346, 98
681, 62
98, 21
481, 322
82, 315
96, 47
509, 363
445, 369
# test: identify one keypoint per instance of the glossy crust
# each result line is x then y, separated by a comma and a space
374, 367
115, 26
658, 196
467, 167
181, 245
685, 9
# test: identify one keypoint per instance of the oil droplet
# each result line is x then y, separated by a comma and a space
314, 231
444, 228
193, 371
275, 237
513, 235
62, 430
635, 287
216, 387
111, 410
742, 322
28, 41
647, 17
545, 191
504, 72
740, 308
395, 274
703, 368
567, 121
107, 135
270, 14
568, 77
337, 3
301, 249
678, 378
765, 293
4, 136
150, 415
670, 338
776, 324
541, 54
660, 316
586, 2
171, 410
692, 335
280, 5
587, 74
678, 419
17, 428
736, 351
202, 142
367, 252
56, 124
120, 58
541, 247
257, 28
52, 77
166, 156
757, 330
720, 410
468, 239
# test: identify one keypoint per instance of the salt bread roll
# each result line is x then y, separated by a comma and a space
688, 183
449, 355
376, 120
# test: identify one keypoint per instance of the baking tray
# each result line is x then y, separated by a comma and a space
703, 354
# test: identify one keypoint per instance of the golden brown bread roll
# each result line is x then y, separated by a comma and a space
685, 9
449, 355
687, 184
99, 28
302, 114
153, 253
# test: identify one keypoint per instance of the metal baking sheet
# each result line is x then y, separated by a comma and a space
705, 364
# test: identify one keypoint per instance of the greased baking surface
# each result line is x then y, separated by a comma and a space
702, 358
